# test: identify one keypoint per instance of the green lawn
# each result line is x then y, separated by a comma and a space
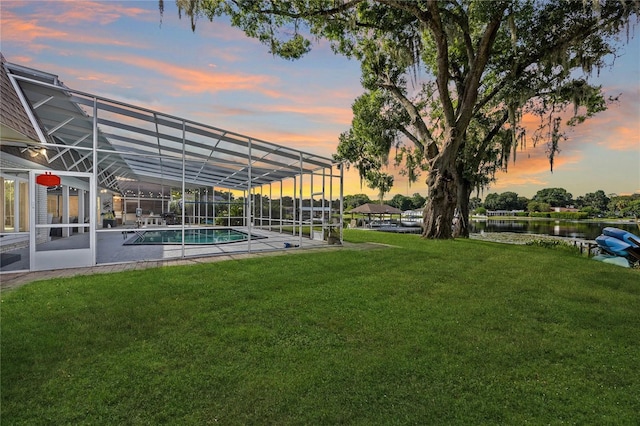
422, 332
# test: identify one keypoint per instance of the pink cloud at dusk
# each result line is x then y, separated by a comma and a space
624, 139
322, 143
102, 78
102, 13
24, 60
534, 170
224, 56
196, 81
320, 113
616, 129
34, 33
15, 28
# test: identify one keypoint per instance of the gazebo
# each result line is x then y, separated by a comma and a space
373, 209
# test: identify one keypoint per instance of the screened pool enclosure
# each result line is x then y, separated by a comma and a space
125, 170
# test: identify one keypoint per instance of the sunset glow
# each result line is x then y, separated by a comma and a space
127, 51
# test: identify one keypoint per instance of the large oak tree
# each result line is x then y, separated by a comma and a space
448, 81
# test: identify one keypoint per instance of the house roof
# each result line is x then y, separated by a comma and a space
372, 208
21, 139
139, 146
14, 121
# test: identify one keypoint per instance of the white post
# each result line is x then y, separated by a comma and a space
249, 198
281, 206
341, 166
295, 198
301, 181
65, 210
270, 195
80, 211
184, 195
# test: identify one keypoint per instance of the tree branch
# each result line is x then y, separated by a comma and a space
412, 110
463, 22
416, 142
309, 14
409, 6
472, 82
576, 35
492, 133
442, 77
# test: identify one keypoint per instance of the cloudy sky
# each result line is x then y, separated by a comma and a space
218, 76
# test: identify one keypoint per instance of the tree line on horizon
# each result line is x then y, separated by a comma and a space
593, 204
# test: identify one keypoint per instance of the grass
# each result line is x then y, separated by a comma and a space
417, 332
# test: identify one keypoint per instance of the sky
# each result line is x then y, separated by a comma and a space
124, 50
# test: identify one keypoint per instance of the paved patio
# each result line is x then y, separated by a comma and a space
111, 247
271, 246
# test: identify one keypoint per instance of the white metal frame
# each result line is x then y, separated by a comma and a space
60, 259
125, 147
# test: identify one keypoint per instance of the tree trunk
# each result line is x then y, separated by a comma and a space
441, 202
464, 193
462, 209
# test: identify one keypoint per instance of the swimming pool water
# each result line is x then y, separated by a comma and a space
191, 236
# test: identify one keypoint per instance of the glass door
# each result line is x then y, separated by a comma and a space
14, 224
64, 215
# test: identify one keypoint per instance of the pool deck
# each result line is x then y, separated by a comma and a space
111, 247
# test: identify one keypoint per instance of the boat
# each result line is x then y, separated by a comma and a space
620, 234
411, 218
614, 260
618, 245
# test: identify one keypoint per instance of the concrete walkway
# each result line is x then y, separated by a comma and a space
13, 280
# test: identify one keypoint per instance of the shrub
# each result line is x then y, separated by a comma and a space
554, 244
540, 214
569, 215
543, 243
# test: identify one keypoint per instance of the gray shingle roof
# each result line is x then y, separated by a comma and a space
12, 113
371, 208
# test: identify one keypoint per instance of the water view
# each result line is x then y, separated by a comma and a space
561, 228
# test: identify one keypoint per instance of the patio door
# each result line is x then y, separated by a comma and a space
65, 222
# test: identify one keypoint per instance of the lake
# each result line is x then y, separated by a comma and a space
587, 230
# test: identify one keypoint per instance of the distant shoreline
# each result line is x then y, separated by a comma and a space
589, 220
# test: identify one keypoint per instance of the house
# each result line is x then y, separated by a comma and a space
564, 209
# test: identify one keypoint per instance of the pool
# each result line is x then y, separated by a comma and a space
191, 236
